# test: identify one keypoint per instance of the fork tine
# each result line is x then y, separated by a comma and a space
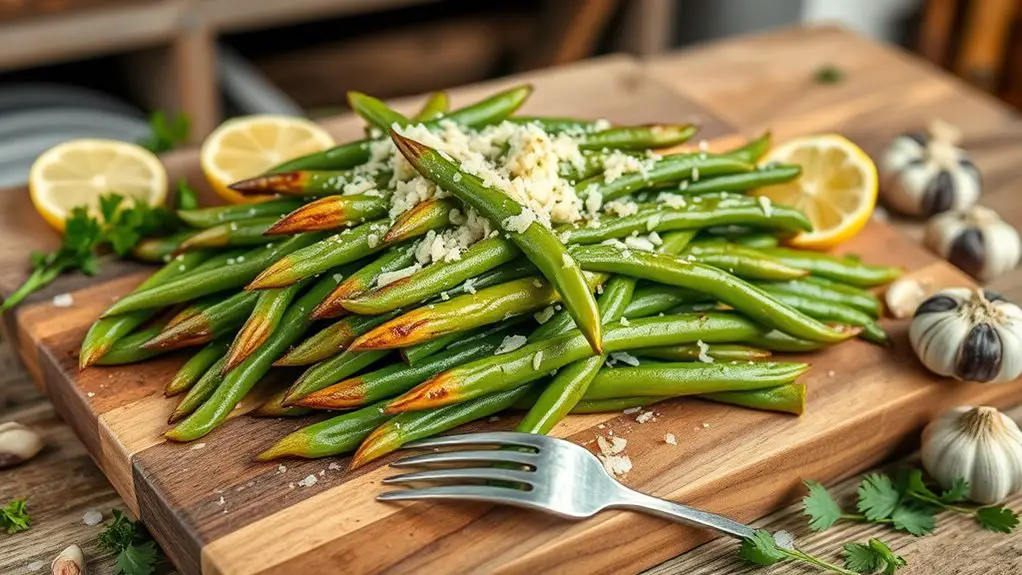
470, 473
502, 495
492, 455
491, 438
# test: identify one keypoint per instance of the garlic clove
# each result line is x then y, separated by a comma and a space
71, 561
978, 444
904, 296
18, 443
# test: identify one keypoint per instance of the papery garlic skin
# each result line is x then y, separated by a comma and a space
904, 296
976, 240
925, 174
970, 335
71, 561
980, 445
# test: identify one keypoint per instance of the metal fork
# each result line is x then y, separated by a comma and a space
552, 475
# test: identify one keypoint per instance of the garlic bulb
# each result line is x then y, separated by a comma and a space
976, 240
969, 334
926, 174
978, 444
71, 561
18, 443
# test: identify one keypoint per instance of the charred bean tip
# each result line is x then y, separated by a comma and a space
383, 440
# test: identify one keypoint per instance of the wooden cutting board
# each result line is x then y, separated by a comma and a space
215, 511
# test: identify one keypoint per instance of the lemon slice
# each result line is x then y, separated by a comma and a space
245, 147
78, 172
837, 190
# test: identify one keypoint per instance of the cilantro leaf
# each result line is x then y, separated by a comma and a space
915, 518
821, 508
893, 561
117, 535
761, 549
959, 492
862, 558
187, 197
877, 497
14, 517
997, 518
137, 559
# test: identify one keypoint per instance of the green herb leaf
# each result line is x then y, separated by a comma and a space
828, 75
862, 558
959, 492
118, 534
877, 497
137, 559
894, 562
761, 549
997, 518
821, 508
916, 518
914, 483
14, 517
187, 197
166, 132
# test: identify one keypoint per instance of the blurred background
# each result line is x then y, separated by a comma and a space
101, 68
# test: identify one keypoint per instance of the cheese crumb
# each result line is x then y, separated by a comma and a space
704, 349
625, 322
567, 261
645, 417
510, 343
387, 278
537, 360
63, 300
625, 358
611, 446
309, 481
830, 373
766, 206
92, 517
616, 464
334, 467
670, 439
197, 446
281, 469
545, 314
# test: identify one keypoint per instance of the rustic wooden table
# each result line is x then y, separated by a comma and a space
755, 82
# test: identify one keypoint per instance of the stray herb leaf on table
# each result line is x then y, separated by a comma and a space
166, 132
137, 553
14, 517
821, 508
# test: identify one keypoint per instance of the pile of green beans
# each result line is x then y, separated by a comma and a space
686, 295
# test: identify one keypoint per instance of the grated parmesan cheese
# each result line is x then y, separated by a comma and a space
640, 243
704, 356
625, 358
766, 206
387, 278
621, 208
567, 261
544, 315
537, 360
672, 200
670, 439
510, 343
611, 446
309, 481
645, 417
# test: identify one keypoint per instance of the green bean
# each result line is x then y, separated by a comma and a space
538, 359
306, 183
427, 215
362, 281
263, 320
781, 342
375, 112
338, 249
675, 379
105, 332
790, 398
196, 366
756, 241
209, 217
657, 298
434, 279
557, 125
831, 291
244, 233
213, 322
718, 351
434, 108
416, 353
468, 311
332, 339
616, 404
332, 436
129, 349
191, 286
407, 427
753, 150
829, 311
709, 211
493, 109
342, 157
332, 212
636, 137
846, 269
537, 242
157, 250
241, 379
200, 391
396, 378
761, 177
329, 372
671, 168
273, 407
733, 291
745, 263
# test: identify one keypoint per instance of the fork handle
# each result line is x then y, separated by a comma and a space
636, 501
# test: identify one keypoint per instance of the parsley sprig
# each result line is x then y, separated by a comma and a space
765, 549
14, 517
120, 224
905, 502
137, 553
166, 132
